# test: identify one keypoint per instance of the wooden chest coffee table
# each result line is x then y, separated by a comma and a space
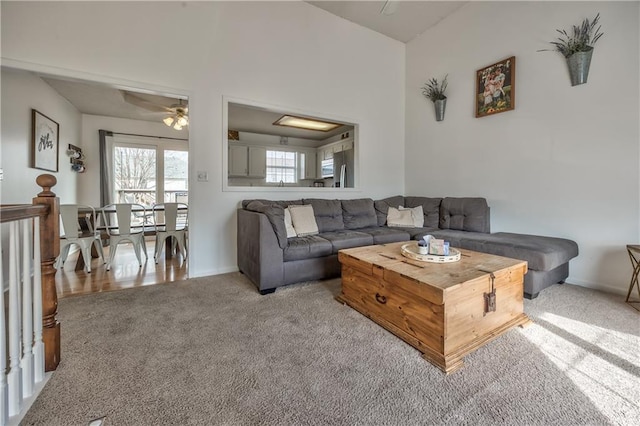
445, 310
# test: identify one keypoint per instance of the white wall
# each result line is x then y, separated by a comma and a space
290, 54
565, 161
20, 93
89, 182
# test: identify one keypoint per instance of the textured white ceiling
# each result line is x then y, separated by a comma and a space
101, 99
410, 19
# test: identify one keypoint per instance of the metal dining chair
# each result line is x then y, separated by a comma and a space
124, 223
79, 228
170, 221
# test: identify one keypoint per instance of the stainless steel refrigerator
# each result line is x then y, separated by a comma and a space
343, 173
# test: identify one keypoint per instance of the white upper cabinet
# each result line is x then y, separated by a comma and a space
238, 160
257, 162
310, 165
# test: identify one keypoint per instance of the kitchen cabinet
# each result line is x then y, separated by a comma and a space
310, 165
327, 153
257, 162
238, 161
343, 145
248, 161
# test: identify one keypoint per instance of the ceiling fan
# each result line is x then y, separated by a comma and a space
390, 7
177, 115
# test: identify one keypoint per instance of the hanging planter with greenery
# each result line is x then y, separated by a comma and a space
577, 48
435, 92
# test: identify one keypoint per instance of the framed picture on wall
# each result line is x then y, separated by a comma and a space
496, 88
45, 142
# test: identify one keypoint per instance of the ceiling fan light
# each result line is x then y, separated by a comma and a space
182, 120
177, 126
168, 121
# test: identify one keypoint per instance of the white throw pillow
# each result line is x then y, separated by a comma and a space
417, 214
399, 218
288, 224
303, 220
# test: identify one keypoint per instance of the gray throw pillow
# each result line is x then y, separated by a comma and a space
359, 213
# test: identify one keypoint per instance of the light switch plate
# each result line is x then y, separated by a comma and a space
203, 176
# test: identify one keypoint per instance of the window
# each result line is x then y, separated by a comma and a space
150, 170
135, 175
176, 180
281, 167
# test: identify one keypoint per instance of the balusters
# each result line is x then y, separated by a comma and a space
38, 346
29, 331
26, 364
23, 336
4, 392
14, 377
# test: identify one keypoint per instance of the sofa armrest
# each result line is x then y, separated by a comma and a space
260, 257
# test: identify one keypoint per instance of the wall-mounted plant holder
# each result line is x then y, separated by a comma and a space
434, 91
576, 46
440, 106
578, 64
76, 158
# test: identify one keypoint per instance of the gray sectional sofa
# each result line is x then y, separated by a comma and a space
271, 260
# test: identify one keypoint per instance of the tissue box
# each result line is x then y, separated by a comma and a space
436, 247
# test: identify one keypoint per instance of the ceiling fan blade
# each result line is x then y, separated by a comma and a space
143, 103
390, 7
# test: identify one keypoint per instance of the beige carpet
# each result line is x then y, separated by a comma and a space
212, 351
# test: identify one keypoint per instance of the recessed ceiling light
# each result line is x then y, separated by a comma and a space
306, 123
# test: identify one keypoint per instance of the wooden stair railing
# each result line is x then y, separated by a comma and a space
32, 344
46, 206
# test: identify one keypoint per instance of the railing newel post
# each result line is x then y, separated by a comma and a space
50, 248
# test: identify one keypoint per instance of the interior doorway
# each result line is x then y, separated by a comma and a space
143, 120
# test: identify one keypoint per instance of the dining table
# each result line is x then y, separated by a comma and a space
85, 220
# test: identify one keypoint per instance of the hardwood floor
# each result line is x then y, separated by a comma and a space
125, 272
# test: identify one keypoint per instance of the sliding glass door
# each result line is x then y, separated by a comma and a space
135, 175
150, 170
176, 176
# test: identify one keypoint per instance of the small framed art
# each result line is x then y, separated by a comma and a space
45, 142
496, 87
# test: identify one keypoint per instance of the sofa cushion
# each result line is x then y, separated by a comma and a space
347, 239
275, 214
541, 253
307, 248
464, 214
303, 220
382, 207
418, 233
328, 214
283, 203
430, 209
358, 213
455, 237
384, 235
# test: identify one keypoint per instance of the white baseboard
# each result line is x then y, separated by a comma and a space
218, 271
598, 286
28, 402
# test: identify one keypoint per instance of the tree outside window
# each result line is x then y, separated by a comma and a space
135, 175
